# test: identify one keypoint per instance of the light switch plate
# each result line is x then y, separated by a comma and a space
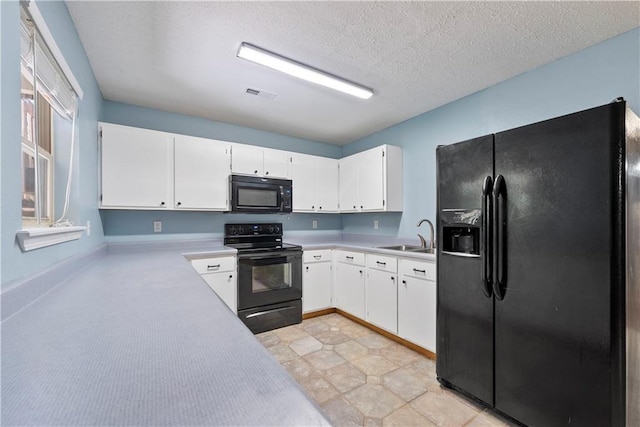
314, 224
157, 226
375, 224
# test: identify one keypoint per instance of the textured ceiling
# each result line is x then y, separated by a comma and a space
181, 56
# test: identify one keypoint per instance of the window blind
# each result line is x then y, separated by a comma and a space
51, 82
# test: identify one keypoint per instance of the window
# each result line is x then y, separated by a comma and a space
48, 111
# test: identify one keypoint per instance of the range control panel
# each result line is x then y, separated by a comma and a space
263, 229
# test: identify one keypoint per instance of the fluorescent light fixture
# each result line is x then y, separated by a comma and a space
301, 71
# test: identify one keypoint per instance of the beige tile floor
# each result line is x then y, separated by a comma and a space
361, 378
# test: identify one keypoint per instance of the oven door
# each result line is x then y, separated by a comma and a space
269, 278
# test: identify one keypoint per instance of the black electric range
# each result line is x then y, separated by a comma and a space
269, 275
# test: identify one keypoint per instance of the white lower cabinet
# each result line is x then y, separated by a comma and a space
349, 282
316, 280
220, 275
381, 292
417, 303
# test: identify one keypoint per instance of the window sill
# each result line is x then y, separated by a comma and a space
36, 238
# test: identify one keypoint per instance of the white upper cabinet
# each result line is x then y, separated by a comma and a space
246, 159
304, 182
372, 180
145, 169
276, 163
348, 177
371, 175
315, 183
327, 185
201, 173
137, 168
259, 161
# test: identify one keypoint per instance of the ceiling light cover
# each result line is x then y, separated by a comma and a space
301, 71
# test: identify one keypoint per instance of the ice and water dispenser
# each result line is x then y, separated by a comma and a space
461, 231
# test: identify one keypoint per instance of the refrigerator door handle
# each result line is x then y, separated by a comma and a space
485, 248
499, 229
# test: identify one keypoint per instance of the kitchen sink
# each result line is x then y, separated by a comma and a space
409, 248
401, 247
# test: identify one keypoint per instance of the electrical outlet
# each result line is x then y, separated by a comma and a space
88, 228
157, 226
375, 224
314, 224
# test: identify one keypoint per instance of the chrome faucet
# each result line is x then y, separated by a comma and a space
423, 242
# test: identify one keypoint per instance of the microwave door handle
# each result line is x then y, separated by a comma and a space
281, 198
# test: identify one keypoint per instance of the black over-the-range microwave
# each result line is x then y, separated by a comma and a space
252, 194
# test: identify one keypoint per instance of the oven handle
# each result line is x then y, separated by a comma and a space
281, 255
261, 313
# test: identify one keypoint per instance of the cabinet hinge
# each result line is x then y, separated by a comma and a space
290, 159
101, 197
382, 153
383, 203
100, 133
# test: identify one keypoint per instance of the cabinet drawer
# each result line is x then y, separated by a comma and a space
418, 269
214, 265
348, 257
381, 262
316, 256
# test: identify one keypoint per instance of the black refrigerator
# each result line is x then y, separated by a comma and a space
538, 262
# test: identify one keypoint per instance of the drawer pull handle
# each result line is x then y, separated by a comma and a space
420, 271
212, 267
381, 263
349, 257
317, 256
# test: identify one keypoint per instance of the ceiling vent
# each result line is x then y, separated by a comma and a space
260, 93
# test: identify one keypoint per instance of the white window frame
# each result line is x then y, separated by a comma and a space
43, 236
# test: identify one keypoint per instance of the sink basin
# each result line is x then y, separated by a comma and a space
401, 247
409, 248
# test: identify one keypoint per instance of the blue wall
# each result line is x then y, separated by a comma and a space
121, 225
586, 79
16, 264
149, 118
138, 224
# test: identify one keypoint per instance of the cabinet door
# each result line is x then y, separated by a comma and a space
316, 286
224, 285
246, 159
349, 289
276, 163
371, 179
382, 300
327, 185
304, 184
348, 178
417, 311
201, 173
137, 166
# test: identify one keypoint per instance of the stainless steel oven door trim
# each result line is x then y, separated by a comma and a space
262, 313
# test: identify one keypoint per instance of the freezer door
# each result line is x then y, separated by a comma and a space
558, 330
464, 332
